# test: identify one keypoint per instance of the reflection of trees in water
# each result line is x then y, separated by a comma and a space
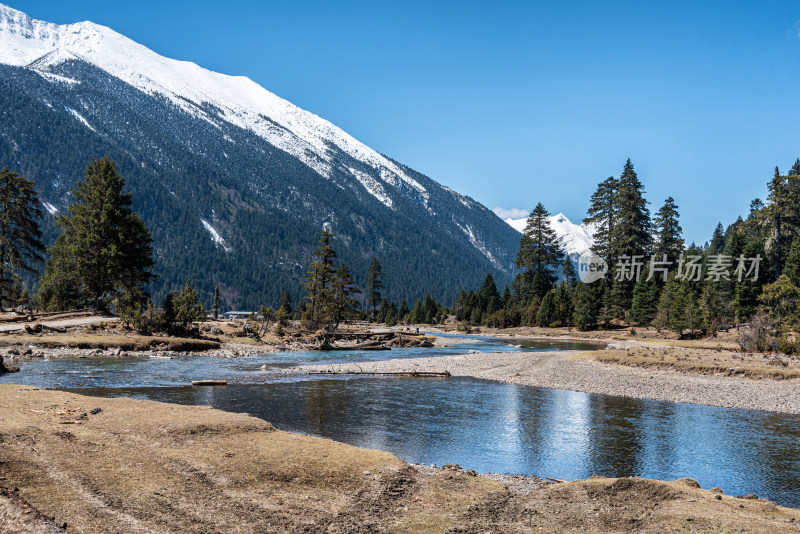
507, 428
618, 436
325, 406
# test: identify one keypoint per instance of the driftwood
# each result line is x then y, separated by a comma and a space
209, 382
415, 374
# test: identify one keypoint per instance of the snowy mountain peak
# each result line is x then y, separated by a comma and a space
577, 238
208, 95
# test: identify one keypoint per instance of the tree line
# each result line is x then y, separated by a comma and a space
747, 272
102, 259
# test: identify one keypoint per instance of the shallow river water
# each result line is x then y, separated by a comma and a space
478, 424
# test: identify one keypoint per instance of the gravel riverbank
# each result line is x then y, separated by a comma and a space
551, 370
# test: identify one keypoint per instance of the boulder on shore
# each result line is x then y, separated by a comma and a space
4, 368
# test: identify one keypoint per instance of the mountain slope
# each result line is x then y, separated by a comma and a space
234, 182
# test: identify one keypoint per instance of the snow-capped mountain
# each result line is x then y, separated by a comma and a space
244, 178
577, 238
208, 95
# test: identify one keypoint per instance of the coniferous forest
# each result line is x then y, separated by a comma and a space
748, 271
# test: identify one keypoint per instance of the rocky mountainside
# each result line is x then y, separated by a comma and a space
234, 182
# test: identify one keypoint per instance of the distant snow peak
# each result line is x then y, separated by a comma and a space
39, 45
577, 238
215, 237
513, 213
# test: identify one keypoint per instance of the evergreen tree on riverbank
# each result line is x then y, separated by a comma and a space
21, 246
374, 285
603, 213
104, 248
539, 256
669, 234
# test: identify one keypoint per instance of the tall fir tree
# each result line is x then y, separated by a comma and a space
782, 215
568, 273
21, 248
215, 308
645, 300
668, 231
631, 232
489, 296
546, 315
374, 284
104, 248
602, 213
319, 277
285, 302
717, 240
586, 305
540, 253
343, 305
792, 269
630, 236
402, 313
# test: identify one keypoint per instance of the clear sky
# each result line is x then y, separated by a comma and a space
515, 103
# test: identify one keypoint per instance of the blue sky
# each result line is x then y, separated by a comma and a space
515, 103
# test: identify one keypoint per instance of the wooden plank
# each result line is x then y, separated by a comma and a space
209, 382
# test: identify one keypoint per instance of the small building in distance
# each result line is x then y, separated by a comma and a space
236, 315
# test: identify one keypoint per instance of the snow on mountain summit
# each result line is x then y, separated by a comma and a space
27, 42
577, 238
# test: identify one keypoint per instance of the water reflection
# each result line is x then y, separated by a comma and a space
506, 428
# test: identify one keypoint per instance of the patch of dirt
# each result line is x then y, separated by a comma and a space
19, 517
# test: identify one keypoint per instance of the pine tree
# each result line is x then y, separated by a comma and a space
669, 240
645, 301
343, 305
782, 214
568, 273
668, 303
285, 302
792, 269
506, 300
20, 239
586, 306
539, 253
374, 284
417, 314
602, 213
795, 170
717, 240
712, 308
564, 304
186, 307
489, 296
631, 233
215, 308
546, 315
403, 312
104, 247
320, 276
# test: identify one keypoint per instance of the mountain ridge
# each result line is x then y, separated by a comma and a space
243, 189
